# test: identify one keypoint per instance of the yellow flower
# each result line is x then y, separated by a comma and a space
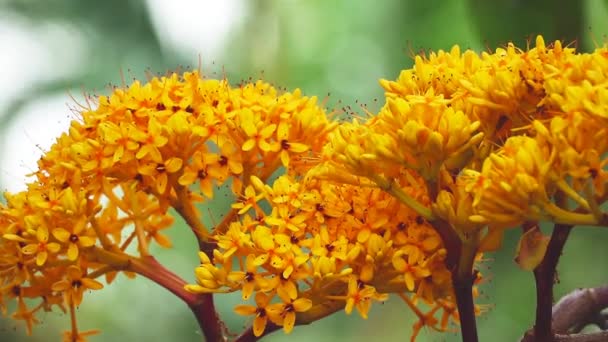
159, 170
41, 248
80, 336
512, 185
75, 284
75, 239
248, 200
257, 132
412, 272
199, 169
249, 279
261, 315
285, 313
360, 296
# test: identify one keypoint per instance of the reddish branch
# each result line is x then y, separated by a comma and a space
462, 281
562, 322
463, 289
201, 305
545, 275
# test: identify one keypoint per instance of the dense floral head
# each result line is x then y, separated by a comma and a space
108, 182
325, 215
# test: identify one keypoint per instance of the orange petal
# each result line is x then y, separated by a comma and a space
72, 251
245, 310
41, 258
91, 284
259, 325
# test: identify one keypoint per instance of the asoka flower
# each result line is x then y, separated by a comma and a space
75, 239
120, 139
79, 336
360, 296
75, 284
285, 313
159, 171
209, 277
261, 315
513, 184
288, 147
412, 273
257, 132
248, 200
41, 247
249, 279
423, 131
152, 142
27, 315
200, 168
235, 240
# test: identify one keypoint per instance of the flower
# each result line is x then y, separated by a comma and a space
285, 313
41, 247
76, 239
74, 284
260, 312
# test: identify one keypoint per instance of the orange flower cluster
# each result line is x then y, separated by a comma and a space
327, 215
496, 137
319, 246
107, 184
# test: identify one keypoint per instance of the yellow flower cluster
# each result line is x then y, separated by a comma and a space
497, 137
320, 246
107, 184
326, 215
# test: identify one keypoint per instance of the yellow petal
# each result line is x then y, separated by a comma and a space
72, 251
53, 247
409, 281
259, 325
290, 289
42, 234
302, 304
161, 183
248, 145
188, 178
61, 286
86, 241
248, 288
91, 284
41, 258
268, 130
29, 249
173, 165
363, 235
245, 310
289, 322
350, 304
297, 147
13, 237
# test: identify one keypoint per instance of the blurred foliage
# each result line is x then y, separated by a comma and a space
325, 47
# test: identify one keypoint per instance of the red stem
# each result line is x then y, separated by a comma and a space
463, 289
544, 275
201, 305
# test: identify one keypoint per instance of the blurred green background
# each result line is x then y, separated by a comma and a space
54, 48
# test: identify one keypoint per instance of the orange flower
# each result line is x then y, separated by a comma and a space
285, 313
74, 285
261, 315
